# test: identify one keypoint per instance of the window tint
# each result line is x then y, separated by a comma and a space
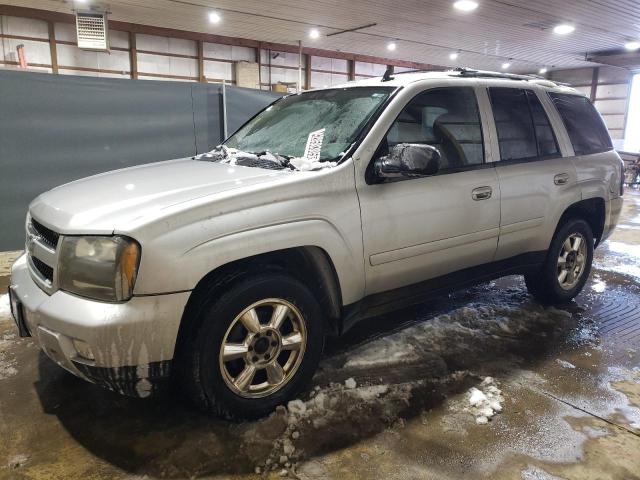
587, 131
514, 124
547, 145
446, 118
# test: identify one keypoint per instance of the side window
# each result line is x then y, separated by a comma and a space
516, 134
547, 144
586, 129
446, 118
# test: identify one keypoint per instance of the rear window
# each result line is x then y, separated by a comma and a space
586, 129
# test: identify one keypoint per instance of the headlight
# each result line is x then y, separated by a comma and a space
103, 268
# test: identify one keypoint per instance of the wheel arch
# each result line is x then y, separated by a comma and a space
310, 265
592, 210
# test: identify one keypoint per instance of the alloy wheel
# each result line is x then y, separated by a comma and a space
572, 261
263, 348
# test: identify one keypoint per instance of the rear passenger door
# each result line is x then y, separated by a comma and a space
536, 181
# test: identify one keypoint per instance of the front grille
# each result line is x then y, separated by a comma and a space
48, 236
45, 270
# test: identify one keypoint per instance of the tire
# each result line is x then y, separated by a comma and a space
217, 382
545, 284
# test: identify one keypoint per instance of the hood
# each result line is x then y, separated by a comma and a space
106, 202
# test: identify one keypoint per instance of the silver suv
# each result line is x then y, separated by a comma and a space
226, 271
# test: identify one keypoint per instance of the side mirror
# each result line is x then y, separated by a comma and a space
408, 160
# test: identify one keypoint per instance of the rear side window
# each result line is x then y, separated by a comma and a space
587, 131
524, 131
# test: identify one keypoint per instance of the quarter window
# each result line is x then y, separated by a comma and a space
586, 129
446, 118
524, 131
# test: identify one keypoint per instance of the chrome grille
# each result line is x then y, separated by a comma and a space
42, 254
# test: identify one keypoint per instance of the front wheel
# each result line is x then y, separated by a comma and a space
257, 347
567, 265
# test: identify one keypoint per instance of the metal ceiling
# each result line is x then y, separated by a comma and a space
424, 30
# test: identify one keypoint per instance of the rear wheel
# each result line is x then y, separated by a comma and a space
567, 265
257, 346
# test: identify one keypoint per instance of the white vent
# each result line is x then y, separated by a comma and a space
92, 31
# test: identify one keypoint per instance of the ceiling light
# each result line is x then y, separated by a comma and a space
391, 46
542, 71
631, 46
505, 65
465, 5
214, 17
314, 33
563, 29
453, 55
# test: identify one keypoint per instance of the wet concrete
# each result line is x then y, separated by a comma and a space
570, 379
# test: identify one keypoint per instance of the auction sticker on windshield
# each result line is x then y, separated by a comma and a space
314, 145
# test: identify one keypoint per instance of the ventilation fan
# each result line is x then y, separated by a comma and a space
92, 31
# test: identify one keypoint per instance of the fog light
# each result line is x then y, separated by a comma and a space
83, 349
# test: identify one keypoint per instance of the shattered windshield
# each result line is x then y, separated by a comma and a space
307, 131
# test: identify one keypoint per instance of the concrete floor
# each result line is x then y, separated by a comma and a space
570, 380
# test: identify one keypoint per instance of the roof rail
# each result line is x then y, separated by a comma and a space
467, 72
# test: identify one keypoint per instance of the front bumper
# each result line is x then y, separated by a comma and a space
132, 342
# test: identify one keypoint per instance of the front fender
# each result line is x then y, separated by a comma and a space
204, 258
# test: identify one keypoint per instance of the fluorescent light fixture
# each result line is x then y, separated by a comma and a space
631, 46
391, 46
506, 65
465, 5
542, 71
214, 17
453, 55
563, 29
314, 33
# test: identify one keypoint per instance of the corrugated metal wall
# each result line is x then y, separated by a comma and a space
55, 129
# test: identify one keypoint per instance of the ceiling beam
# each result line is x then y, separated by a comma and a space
60, 17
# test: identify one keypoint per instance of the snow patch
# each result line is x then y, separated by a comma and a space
304, 164
484, 402
5, 307
309, 425
564, 363
17, 461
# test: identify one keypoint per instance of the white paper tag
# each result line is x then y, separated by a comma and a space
314, 145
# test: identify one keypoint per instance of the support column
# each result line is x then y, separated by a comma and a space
133, 55
594, 84
201, 76
53, 49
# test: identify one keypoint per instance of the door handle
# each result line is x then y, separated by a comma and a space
481, 193
561, 179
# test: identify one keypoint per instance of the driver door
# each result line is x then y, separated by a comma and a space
416, 229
